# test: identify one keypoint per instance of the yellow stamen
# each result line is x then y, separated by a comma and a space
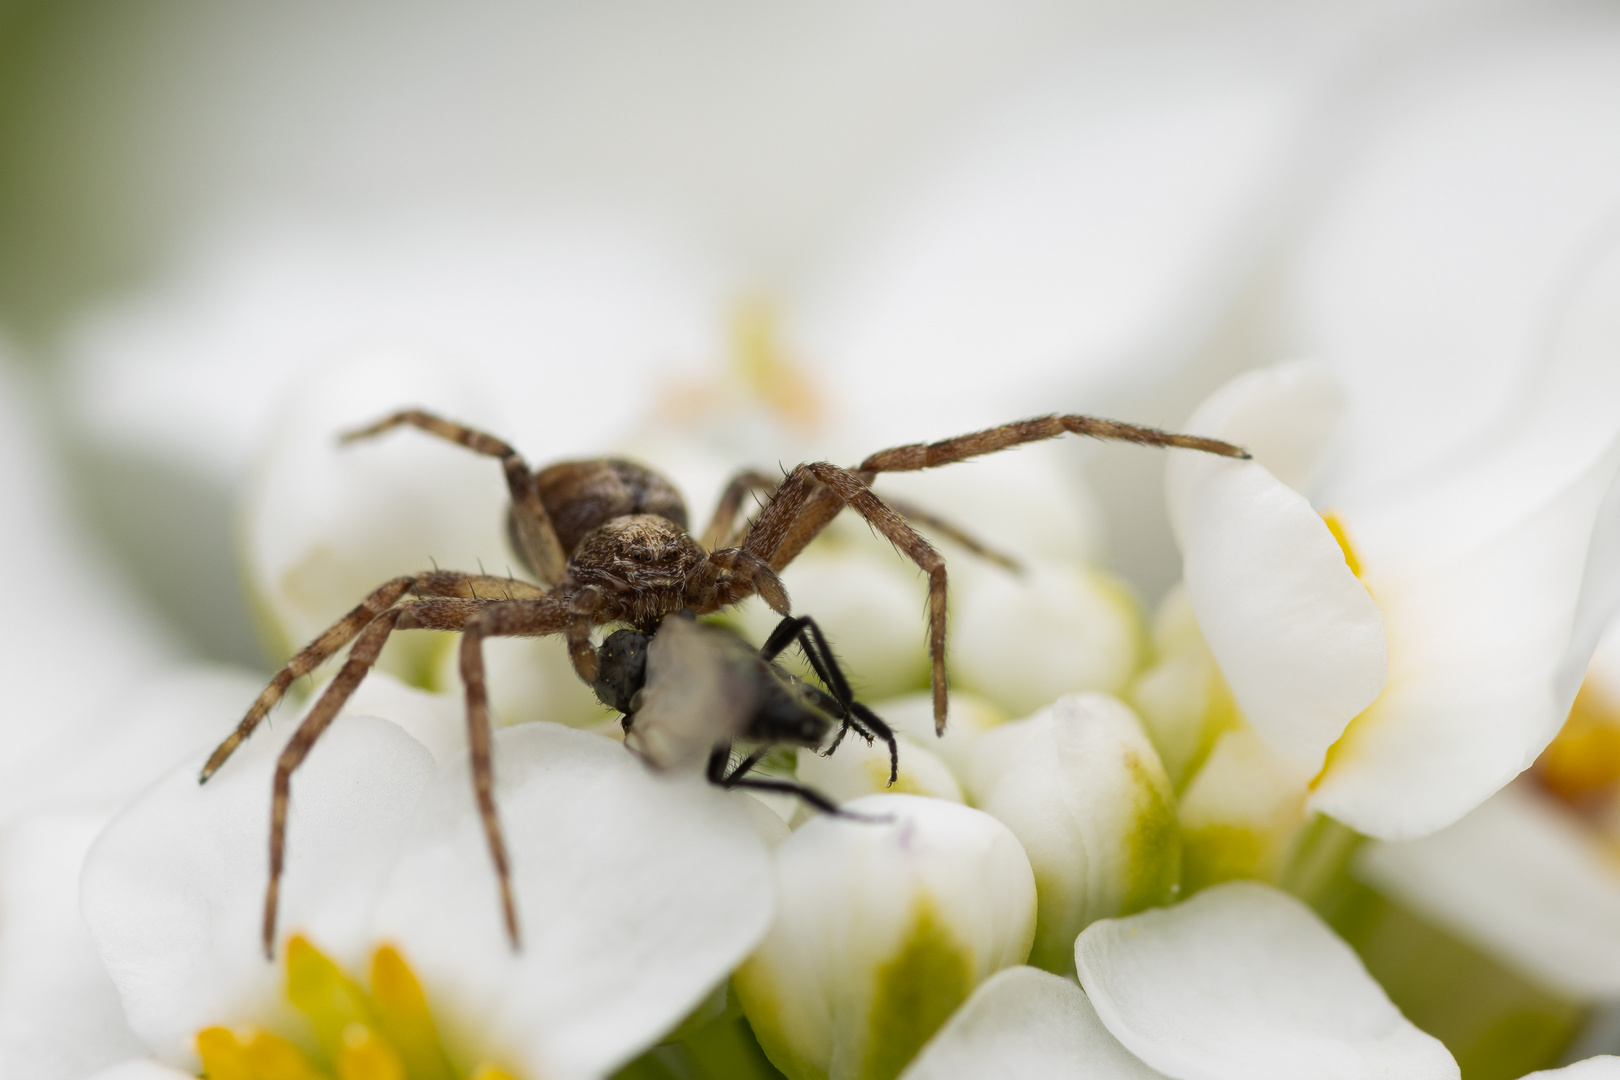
318, 988
366, 1056
1584, 759
223, 1058
274, 1058
401, 1011
387, 1034
1336, 527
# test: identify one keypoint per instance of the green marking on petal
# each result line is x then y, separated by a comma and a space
1154, 845
927, 978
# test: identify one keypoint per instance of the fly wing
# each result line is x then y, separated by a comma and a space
700, 689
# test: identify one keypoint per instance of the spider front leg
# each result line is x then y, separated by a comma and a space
429, 614
445, 583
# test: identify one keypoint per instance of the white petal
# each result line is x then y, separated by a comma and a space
84, 636
1604, 1067
1521, 881
117, 751
1489, 166
1300, 642
1283, 415
1080, 786
636, 893
1493, 592
174, 888
1025, 1024
59, 1012
1245, 983
885, 924
140, 1070
1056, 629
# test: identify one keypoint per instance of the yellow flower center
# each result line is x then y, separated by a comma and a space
386, 1033
1582, 764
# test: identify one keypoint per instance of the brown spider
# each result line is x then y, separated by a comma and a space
609, 540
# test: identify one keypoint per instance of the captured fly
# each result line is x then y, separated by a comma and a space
690, 691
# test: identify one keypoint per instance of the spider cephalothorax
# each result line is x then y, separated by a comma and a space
608, 540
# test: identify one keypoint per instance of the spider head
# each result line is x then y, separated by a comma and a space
640, 553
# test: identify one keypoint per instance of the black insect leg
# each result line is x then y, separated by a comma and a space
814, 645
721, 757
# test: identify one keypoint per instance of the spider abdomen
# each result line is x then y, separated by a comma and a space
580, 496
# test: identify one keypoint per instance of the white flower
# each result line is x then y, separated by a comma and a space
637, 894
1481, 578
884, 925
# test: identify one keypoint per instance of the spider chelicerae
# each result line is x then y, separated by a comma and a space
608, 540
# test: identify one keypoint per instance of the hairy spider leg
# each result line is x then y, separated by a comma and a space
535, 533
438, 613
428, 583
502, 618
952, 532
801, 510
719, 532
779, 521
825, 664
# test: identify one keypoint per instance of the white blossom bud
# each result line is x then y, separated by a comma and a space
1182, 700
1055, 629
1240, 813
1081, 787
884, 925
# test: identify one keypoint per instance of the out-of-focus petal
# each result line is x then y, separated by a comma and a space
1243, 982
117, 751
1492, 591
1240, 813
1521, 881
75, 635
1026, 1024
1080, 786
173, 890
883, 927
60, 1016
1055, 629
1604, 1067
637, 894
1490, 161
1297, 637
